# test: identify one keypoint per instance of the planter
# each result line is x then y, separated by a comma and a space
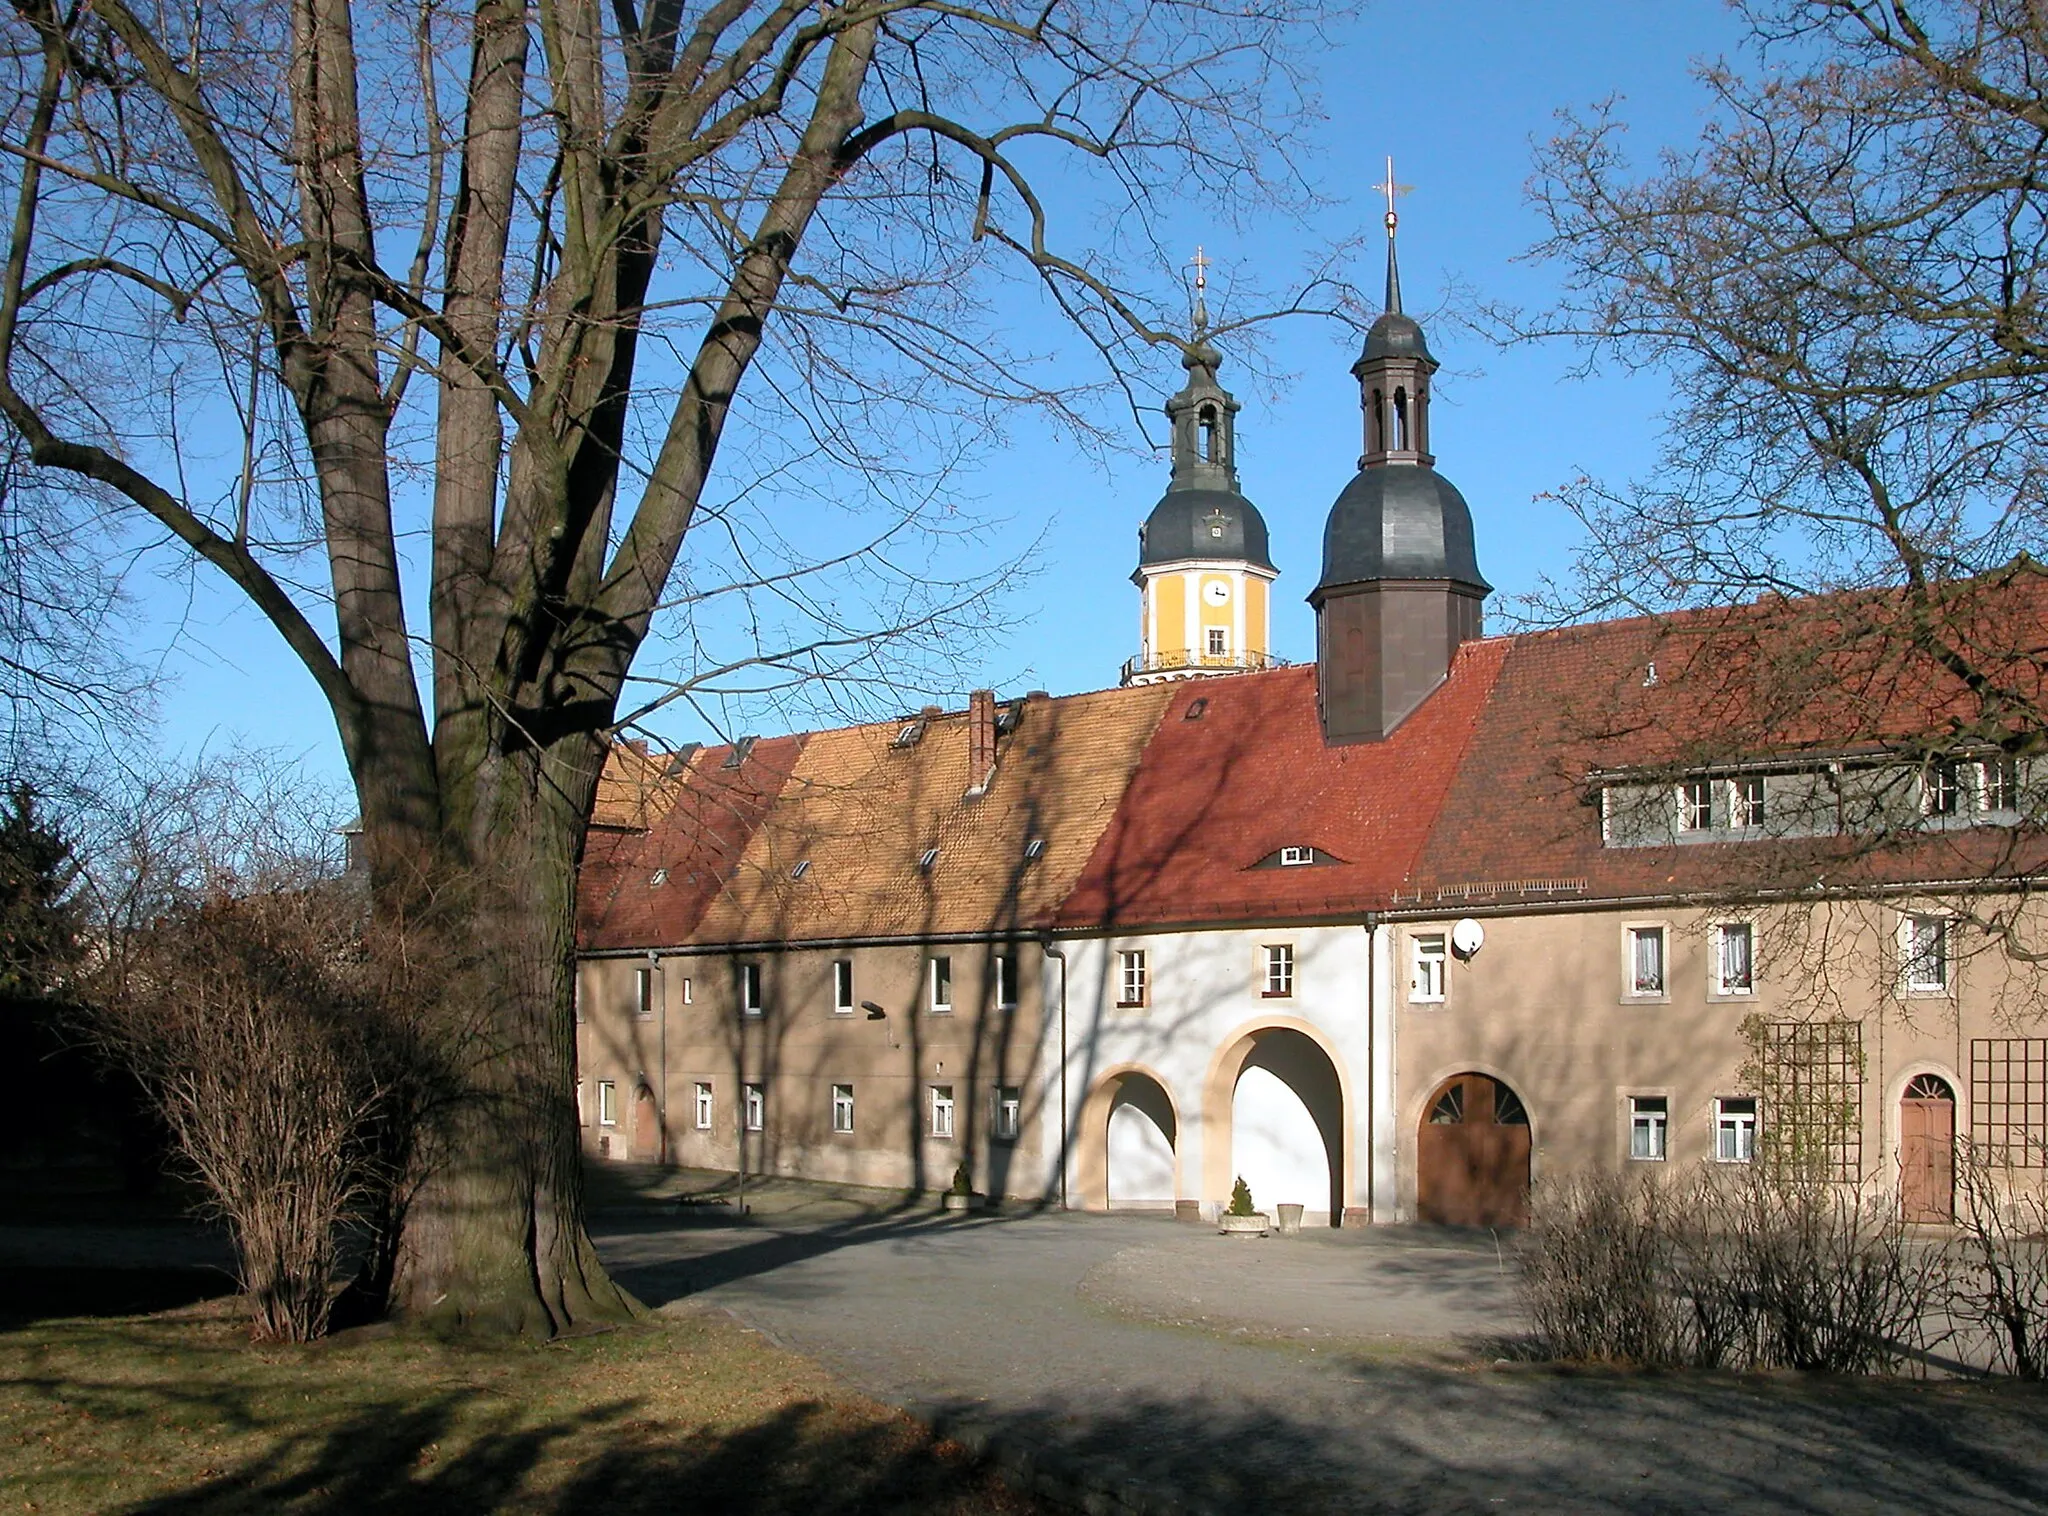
1254, 1225
1290, 1218
952, 1200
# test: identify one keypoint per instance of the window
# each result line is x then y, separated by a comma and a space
1926, 945
1941, 790
842, 1107
582, 1115
1006, 979
1131, 979
1295, 857
1695, 805
927, 860
1648, 1116
842, 986
1034, 850
1009, 1113
703, 1106
1646, 960
942, 1110
1998, 785
1219, 642
687, 1000
643, 993
1734, 1130
1279, 970
576, 997
942, 985
750, 989
1746, 800
803, 867
607, 1103
1426, 973
1734, 958
756, 1107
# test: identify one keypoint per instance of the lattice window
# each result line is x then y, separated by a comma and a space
2009, 1100
1809, 1080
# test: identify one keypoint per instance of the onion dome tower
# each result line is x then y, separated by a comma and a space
1401, 586
1203, 573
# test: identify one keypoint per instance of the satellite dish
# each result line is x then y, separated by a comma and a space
1467, 937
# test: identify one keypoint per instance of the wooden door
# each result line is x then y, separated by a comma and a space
1927, 1151
646, 1128
1472, 1161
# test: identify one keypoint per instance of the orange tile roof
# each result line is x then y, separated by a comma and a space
1251, 775
634, 788
864, 813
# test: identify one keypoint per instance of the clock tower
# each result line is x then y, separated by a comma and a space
1204, 578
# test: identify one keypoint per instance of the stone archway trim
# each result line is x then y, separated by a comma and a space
1091, 1145
1219, 1084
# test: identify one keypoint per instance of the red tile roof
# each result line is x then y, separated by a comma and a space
694, 846
1217, 796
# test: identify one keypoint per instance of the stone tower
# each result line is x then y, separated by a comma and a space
1401, 585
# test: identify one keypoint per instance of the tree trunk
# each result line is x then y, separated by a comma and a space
493, 1237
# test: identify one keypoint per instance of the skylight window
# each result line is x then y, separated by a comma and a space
1034, 850
658, 878
1195, 708
803, 867
929, 860
739, 753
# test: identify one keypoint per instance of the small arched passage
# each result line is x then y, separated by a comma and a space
1274, 1112
646, 1128
1927, 1150
1127, 1148
1472, 1154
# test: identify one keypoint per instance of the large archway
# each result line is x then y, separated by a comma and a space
1274, 1113
1472, 1154
1128, 1153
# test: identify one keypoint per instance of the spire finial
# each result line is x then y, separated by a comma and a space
1200, 264
1390, 188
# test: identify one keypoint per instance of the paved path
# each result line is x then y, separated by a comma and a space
1341, 1372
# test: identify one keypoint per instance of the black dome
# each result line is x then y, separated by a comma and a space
1399, 521
1183, 525
1395, 336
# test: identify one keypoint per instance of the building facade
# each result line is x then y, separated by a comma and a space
1392, 936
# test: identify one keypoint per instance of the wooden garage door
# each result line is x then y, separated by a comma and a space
1472, 1165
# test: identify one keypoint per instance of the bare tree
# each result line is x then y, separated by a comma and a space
1844, 285
241, 234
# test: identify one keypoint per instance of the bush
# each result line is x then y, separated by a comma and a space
1241, 1198
1751, 1269
2001, 1276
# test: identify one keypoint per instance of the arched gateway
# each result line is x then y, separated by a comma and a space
1472, 1155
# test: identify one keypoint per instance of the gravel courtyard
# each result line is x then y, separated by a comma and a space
1171, 1368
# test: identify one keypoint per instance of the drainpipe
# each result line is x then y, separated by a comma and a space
1372, 1057
1050, 951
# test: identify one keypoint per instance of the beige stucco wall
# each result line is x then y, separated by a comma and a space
798, 1048
1544, 1007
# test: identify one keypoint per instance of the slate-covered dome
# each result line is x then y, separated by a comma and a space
1399, 521
1395, 335
1184, 524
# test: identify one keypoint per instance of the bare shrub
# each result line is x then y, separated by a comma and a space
2000, 1282
1756, 1269
1596, 1271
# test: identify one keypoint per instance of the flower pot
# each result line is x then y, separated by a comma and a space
1290, 1218
1255, 1225
953, 1200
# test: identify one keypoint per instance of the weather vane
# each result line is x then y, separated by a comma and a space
1200, 264
1390, 189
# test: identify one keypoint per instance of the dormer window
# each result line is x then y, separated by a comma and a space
909, 734
739, 753
1941, 790
1295, 857
1696, 805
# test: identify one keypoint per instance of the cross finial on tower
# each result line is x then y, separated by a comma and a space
1390, 188
1200, 264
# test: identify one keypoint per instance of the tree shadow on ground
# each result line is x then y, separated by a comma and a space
32, 1293
805, 1459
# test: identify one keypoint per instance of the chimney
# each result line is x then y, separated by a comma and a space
981, 742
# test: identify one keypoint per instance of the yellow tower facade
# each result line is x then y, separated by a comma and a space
1204, 573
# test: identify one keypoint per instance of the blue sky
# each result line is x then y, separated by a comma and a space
1458, 91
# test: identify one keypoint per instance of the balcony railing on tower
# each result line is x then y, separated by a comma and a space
1186, 665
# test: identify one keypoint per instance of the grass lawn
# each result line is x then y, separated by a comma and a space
178, 1412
